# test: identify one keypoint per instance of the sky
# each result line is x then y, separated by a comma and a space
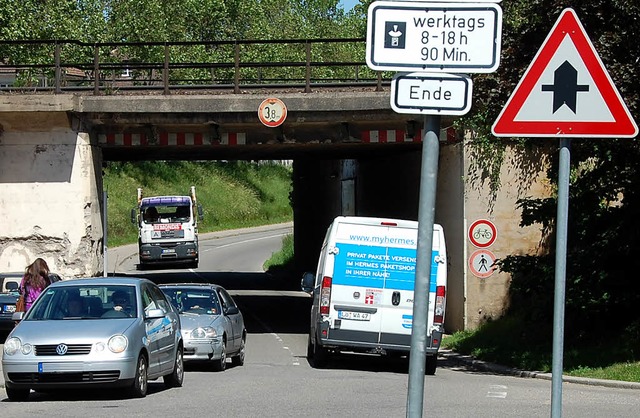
347, 4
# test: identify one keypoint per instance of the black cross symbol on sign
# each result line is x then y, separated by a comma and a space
565, 87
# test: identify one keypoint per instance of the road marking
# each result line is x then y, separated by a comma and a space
244, 241
497, 391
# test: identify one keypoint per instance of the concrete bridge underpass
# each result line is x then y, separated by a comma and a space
351, 155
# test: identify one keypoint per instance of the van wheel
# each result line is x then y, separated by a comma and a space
17, 395
430, 365
319, 355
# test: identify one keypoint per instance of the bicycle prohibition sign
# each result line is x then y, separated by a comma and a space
482, 233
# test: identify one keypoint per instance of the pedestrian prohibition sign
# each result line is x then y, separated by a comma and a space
481, 263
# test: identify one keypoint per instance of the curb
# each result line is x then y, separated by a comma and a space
485, 366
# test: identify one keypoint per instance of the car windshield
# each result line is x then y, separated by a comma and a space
84, 302
193, 301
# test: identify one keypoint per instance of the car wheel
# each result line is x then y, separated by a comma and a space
17, 395
221, 364
238, 360
431, 365
319, 356
140, 382
175, 379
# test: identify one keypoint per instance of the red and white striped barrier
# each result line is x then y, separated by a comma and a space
171, 138
388, 136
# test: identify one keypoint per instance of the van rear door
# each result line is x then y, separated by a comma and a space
373, 279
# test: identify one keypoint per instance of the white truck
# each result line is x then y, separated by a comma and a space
167, 229
363, 290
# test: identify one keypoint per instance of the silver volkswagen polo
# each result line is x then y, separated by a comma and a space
94, 332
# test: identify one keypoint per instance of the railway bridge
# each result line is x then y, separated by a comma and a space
352, 155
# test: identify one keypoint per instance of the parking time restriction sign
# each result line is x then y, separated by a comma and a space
434, 37
272, 112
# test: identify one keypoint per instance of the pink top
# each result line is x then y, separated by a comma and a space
31, 294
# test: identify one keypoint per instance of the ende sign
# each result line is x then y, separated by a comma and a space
431, 94
442, 37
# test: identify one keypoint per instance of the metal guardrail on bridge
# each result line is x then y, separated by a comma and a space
60, 66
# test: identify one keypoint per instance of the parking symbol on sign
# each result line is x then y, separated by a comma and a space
394, 34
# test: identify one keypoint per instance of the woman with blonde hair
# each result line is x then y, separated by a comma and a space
34, 281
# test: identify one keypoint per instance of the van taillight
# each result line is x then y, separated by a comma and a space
325, 295
438, 315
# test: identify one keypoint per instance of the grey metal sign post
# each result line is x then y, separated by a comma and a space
434, 38
426, 217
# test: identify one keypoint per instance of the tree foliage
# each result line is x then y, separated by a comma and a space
603, 233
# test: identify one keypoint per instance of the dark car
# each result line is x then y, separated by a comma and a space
7, 308
9, 283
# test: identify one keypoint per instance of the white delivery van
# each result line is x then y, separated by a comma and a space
363, 289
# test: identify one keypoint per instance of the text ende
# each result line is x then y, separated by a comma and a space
418, 93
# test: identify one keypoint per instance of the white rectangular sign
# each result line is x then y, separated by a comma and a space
431, 94
434, 37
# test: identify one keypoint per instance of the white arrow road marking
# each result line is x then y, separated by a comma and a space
497, 391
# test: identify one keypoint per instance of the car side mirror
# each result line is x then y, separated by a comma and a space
232, 310
308, 282
154, 314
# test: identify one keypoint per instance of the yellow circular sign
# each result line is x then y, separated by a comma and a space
272, 112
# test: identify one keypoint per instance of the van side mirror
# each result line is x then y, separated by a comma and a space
134, 216
308, 282
200, 212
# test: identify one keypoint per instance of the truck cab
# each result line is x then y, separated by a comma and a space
167, 229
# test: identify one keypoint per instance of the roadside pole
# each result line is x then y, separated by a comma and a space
105, 196
560, 277
426, 217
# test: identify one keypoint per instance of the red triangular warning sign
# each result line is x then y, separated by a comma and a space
566, 91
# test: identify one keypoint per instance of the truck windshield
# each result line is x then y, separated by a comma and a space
165, 214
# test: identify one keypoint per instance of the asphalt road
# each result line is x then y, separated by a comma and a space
277, 380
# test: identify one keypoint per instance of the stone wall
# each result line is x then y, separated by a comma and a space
50, 192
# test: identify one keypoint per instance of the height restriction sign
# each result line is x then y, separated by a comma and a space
272, 112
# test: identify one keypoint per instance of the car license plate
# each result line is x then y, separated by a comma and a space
356, 316
60, 367
9, 308
169, 251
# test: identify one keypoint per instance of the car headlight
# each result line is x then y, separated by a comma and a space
118, 343
12, 346
204, 332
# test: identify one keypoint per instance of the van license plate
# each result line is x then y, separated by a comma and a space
356, 316
169, 251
